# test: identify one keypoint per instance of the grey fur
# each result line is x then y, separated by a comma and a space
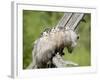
50, 43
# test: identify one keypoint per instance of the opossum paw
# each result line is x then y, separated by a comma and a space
62, 53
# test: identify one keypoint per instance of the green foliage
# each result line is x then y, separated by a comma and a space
34, 22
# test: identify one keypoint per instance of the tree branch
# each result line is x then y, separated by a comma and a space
59, 62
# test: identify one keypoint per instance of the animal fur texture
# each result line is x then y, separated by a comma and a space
51, 42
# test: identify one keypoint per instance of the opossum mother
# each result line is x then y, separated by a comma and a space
46, 47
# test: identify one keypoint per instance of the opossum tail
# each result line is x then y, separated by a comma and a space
33, 63
32, 66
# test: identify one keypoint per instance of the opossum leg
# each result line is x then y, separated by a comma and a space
61, 51
50, 65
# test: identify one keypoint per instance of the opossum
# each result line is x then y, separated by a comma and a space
50, 43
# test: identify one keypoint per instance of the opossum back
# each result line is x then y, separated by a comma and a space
44, 45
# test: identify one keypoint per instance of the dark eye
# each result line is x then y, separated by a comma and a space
77, 37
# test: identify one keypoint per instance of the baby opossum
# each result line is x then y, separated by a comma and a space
52, 41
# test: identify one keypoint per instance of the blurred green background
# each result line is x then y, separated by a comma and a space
34, 22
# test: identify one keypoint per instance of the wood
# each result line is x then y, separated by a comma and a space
74, 20
70, 20
64, 20
59, 62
